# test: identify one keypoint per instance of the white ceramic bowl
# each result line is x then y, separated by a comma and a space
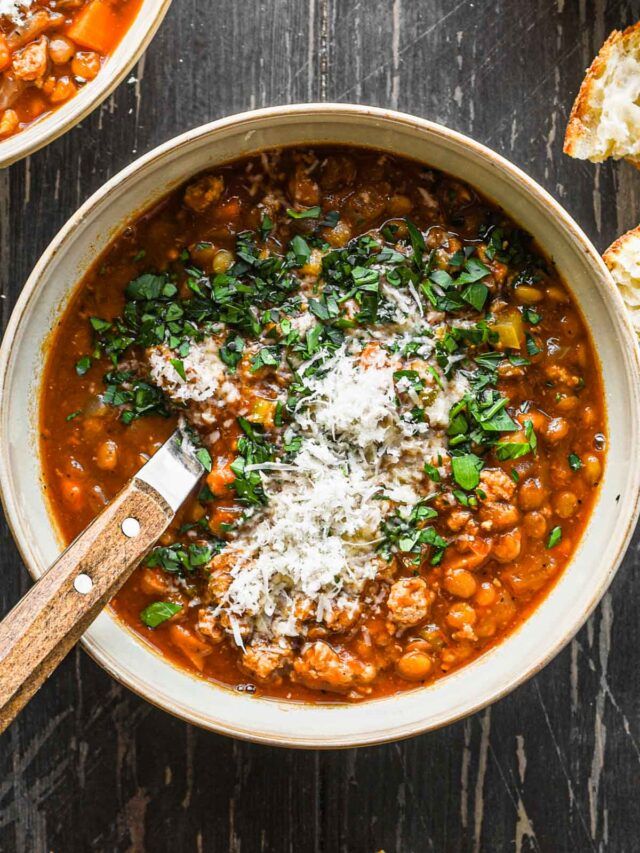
495, 673
116, 67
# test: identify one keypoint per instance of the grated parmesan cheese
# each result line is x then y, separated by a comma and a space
312, 549
352, 402
206, 375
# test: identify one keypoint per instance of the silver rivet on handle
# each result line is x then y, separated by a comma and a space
83, 584
130, 527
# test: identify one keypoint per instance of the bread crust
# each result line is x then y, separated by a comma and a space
618, 246
628, 284
580, 123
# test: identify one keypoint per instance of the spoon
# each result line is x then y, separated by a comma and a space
44, 625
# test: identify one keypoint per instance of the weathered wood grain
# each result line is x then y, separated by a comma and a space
553, 767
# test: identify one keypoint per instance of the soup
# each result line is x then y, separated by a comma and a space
50, 49
396, 399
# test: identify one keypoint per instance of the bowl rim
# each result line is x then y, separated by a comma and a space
117, 65
350, 112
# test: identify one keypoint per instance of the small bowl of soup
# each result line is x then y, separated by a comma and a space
60, 59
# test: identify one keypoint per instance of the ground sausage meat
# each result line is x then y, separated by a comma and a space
409, 601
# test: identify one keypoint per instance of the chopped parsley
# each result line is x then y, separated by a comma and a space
158, 612
183, 559
575, 463
309, 213
406, 532
466, 470
82, 365
554, 537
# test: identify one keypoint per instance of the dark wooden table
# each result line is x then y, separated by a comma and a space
553, 767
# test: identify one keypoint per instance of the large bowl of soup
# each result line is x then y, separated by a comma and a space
400, 363
59, 59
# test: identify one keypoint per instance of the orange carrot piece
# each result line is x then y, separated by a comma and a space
5, 52
220, 478
96, 27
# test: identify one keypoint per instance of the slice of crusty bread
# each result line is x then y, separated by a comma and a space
623, 260
605, 119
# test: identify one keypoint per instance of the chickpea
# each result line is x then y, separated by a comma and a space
86, 64
531, 494
486, 595
460, 582
535, 525
107, 455
339, 235
436, 236
414, 666
461, 614
222, 261
557, 429
487, 628
557, 294
507, 547
565, 504
203, 254
567, 404
9, 122
526, 295
64, 89
417, 646
538, 420
399, 205
61, 49
592, 468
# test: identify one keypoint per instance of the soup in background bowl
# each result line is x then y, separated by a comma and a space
59, 59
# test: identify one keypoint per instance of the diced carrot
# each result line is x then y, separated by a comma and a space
96, 27
221, 477
5, 52
190, 645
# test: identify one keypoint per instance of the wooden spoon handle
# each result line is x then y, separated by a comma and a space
37, 634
